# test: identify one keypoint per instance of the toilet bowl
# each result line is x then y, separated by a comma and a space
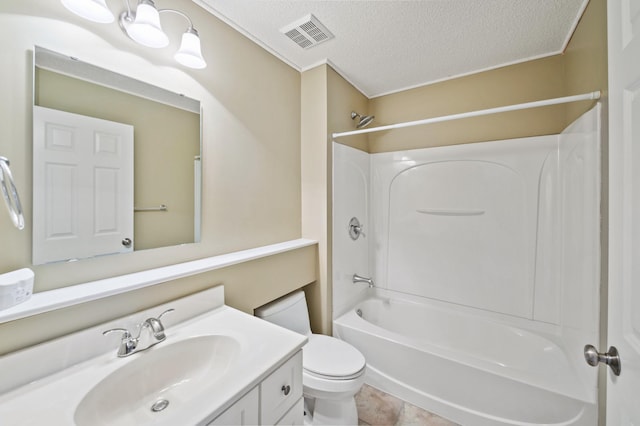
333, 370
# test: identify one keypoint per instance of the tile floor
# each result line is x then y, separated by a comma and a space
376, 408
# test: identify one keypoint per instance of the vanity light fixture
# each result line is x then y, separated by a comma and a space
143, 26
93, 10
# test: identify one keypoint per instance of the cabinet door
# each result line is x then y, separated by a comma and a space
295, 416
281, 390
243, 412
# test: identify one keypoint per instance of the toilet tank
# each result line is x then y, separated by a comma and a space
289, 312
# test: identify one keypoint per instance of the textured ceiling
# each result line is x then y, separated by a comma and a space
384, 46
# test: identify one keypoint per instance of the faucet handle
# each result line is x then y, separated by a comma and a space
156, 327
125, 333
128, 344
168, 311
355, 228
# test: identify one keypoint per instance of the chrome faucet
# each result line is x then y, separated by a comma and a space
130, 345
358, 279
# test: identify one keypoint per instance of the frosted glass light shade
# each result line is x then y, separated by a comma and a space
93, 10
146, 29
189, 53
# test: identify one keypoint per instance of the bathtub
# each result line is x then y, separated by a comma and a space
472, 367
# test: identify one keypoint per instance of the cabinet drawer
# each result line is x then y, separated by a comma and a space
242, 412
295, 415
281, 390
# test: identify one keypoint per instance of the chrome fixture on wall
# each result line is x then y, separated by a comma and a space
10, 194
142, 25
360, 279
355, 228
363, 121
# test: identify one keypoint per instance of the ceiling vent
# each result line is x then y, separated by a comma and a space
307, 32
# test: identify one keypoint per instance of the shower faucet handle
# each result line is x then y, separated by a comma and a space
355, 229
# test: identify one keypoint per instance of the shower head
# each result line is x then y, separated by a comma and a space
363, 121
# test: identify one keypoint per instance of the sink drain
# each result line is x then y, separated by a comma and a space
159, 405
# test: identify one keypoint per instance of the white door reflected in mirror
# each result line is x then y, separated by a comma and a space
83, 186
167, 164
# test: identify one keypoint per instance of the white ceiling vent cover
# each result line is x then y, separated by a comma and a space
307, 32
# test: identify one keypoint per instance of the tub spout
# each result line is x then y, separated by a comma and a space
358, 279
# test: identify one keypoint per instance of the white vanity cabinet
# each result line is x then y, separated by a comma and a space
277, 400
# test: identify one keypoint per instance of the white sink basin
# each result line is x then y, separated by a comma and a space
173, 373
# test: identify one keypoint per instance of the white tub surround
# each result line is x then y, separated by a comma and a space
68, 296
67, 369
350, 199
490, 256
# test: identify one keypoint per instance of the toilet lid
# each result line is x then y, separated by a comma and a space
328, 356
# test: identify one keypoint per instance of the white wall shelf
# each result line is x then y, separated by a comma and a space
68, 296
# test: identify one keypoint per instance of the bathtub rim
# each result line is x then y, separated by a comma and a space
350, 319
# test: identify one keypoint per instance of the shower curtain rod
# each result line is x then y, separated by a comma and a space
585, 97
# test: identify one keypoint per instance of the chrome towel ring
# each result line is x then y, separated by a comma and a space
10, 193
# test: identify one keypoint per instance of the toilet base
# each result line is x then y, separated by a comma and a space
331, 411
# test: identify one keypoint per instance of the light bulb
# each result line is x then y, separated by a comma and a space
189, 53
146, 29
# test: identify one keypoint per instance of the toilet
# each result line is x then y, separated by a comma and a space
333, 370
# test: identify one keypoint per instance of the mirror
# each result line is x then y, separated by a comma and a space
117, 162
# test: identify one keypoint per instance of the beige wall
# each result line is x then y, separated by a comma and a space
316, 188
166, 140
327, 102
525, 82
251, 157
342, 98
585, 59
